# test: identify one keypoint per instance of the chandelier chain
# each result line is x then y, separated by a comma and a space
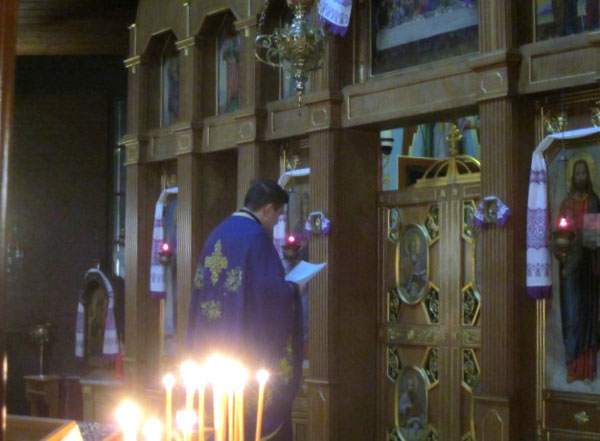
263, 16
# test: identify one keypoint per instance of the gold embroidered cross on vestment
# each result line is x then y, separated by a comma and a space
216, 263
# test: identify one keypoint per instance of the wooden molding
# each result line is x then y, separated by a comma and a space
97, 36
411, 92
561, 62
319, 111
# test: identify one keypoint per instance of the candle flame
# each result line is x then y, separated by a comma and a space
169, 381
262, 376
152, 429
128, 415
190, 373
185, 420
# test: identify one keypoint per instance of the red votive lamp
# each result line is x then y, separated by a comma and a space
290, 249
164, 255
562, 238
563, 223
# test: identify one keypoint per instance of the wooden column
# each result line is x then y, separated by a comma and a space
143, 186
321, 304
248, 169
142, 351
189, 229
503, 174
8, 33
189, 179
343, 296
499, 279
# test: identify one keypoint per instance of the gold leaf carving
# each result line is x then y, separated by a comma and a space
472, 337
582, 417
419, 336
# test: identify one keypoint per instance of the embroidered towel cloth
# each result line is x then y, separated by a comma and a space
539, 277
336, 15
158, 287
110, 346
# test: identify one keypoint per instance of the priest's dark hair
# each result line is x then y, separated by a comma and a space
263, 192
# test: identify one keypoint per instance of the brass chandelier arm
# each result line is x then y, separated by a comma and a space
268, 45
297, 48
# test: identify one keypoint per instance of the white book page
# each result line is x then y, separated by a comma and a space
304, 271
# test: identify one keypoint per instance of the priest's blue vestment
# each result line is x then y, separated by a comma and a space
243, 307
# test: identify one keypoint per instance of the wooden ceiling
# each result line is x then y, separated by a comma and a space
74, 27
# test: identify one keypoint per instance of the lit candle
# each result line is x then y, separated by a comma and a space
128, 417
185, 422
189, 374
152, 430
169, 382
230, 416
214, 369
262, 376
563, 223
201, 391
242, 378
219, 410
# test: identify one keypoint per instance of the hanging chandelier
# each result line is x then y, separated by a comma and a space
297, 48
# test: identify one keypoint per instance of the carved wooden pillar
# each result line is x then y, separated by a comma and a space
321, 311
499, 273
8, 34
503, 174
141, 348
189, 225
189, 174
343, 185
248, 169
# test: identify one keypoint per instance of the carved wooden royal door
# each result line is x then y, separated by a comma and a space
429, 303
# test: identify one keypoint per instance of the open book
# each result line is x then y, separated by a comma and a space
304, 271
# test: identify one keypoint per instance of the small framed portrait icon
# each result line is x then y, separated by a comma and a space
414, 263
411, 404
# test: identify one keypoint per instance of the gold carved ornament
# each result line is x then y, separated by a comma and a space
581, 418
471, 371
393, 362
432, 303
555, 123
455, 169
431, 365
596, 114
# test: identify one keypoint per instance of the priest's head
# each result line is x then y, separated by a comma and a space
266, 200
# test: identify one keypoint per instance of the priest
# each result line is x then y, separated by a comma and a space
243, 307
